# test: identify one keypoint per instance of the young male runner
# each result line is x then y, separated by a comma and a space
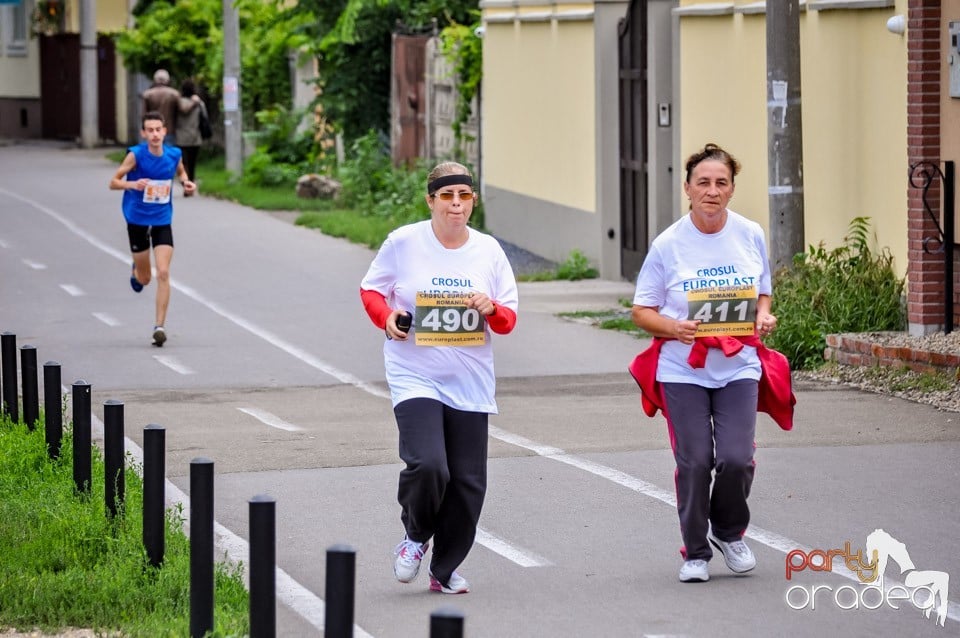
146, 178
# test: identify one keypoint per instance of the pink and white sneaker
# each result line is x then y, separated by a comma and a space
456, 585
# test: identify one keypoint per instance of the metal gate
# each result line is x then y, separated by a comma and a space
60, 86
408, 94
632, 34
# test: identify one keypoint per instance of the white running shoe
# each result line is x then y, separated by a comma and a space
456, 585
159, 336
409, 554
694, 571
736, 554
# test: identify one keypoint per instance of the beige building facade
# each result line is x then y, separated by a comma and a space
554, 130
23, 39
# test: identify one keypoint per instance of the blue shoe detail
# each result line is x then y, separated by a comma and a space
136, 285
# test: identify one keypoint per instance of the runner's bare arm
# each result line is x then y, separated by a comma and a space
119, 181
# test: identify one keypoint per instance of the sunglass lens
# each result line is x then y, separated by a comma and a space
448, 196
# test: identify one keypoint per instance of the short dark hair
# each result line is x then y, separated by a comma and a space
152, 115
712, 151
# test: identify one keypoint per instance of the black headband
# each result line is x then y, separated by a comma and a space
449, 180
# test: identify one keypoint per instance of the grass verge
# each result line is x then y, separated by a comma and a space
616, 319
65, 563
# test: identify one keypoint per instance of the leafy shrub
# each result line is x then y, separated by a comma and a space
576, 267
284, 151
373, 186
847, 289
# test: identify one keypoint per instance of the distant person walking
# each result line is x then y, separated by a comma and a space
455, 286
165, 99
189, 138
146, 178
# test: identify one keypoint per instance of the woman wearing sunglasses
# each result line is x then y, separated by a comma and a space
439, 288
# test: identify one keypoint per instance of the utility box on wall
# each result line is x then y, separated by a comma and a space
953, 58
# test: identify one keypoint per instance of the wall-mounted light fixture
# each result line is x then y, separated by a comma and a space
897, 24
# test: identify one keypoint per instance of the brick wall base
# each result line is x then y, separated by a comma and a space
861, 350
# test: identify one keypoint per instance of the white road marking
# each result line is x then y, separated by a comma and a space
73, 291
288, 591
271, 419
272, 339
173, 364
521, 557
35, 265
772, 540
4, 244
107, 319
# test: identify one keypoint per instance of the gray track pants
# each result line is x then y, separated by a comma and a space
712, 436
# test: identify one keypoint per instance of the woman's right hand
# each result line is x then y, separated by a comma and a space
686, 330
392, 331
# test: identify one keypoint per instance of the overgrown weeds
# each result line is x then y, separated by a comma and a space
64, 562
576, 267
847, 289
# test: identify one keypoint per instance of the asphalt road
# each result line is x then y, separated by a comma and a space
273, 370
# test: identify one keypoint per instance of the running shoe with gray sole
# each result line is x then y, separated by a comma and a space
736, 554
694, 571
159, 336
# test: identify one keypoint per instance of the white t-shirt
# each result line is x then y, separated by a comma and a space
683, 259
413, 260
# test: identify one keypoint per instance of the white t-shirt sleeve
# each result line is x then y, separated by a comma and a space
651, 285
383, 272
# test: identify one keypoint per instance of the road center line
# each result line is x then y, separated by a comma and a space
107, 319
271, 419
173, 364
73, 291
772, 540
35, 265
289, 591
521, 557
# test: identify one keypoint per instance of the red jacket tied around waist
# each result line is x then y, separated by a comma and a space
775, 396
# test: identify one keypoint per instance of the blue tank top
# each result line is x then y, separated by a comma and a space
152, 206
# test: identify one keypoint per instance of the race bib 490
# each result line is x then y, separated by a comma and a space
443, 319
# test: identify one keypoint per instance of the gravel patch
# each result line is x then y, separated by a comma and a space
896, 382
525, 262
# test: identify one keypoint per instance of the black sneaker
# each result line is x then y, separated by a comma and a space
159, 336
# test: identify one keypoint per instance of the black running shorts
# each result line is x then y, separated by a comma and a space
142, 237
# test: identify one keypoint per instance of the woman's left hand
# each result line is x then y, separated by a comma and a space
481, 303
765, 323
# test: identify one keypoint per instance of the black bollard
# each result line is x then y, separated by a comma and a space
52, 408
341, 575
201, 547
8, 355
113, 456
81, 436
446, 622
263, 563
28, 383
154, 494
